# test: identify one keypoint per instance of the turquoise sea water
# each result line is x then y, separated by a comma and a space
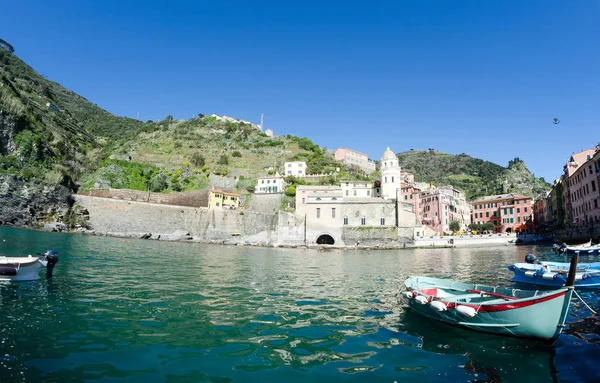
146, 311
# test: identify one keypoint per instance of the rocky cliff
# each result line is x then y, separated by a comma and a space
27, 204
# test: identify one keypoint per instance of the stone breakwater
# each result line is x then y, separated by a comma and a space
125, 218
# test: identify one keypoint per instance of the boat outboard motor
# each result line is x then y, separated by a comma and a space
530, 258
52, 258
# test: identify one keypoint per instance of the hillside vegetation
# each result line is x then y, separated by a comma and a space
474, 176
51, 136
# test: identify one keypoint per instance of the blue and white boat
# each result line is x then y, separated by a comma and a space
587, 248
554, 274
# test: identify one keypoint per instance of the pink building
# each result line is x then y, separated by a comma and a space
581, 188
596, 213
508, 212
352, 158
540, 211
409, 192
439, 207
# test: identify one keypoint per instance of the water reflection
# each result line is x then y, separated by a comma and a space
156, 311
490, 358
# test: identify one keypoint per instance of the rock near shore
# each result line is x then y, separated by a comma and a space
28, 204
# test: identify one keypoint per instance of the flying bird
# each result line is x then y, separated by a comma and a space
556, 121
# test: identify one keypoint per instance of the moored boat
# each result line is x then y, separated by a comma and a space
587, 248
554, 274
27, 268
502, 311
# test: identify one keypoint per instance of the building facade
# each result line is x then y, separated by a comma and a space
507, 212
297, 168
270, 185
359, 189
219, 199
579, 193
352, 158
439, 207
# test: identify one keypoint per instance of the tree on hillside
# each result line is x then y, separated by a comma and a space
223, 160
198, 160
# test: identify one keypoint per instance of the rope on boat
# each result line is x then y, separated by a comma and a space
581, 299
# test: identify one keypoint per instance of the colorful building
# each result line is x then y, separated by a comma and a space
219, 199
439, 207
352, 158
507, 212
580, 187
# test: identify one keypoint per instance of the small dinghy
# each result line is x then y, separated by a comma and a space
520, 313
554, 274
27, 268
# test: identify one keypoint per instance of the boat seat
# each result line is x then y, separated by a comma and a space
454, 298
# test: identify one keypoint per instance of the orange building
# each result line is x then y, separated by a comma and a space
508, 212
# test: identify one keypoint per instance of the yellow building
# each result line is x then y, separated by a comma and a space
219, 199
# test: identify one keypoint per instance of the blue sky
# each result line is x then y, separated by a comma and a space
484, 78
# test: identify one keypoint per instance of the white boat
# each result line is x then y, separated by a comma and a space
587, 248
27, 268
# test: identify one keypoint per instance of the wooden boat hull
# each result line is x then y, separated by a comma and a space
20, 268
511, 312
554, 274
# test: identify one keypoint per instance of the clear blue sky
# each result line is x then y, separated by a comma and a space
481, 77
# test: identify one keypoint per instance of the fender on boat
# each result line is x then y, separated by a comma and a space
530, 274
438, 306
467, 311
421, 299
409, 294
550, 276
580, 276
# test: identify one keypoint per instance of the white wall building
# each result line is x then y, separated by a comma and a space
358, 189
270, 185
297, 169
390, 175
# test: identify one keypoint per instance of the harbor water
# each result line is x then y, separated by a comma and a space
122, 310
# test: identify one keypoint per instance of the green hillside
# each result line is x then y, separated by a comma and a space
474, 176
51, 136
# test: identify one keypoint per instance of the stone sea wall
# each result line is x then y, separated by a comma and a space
125, 218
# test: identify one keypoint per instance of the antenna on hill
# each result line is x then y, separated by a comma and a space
262, 122
138, 116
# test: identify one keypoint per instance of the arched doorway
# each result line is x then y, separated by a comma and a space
325, 239
509, 230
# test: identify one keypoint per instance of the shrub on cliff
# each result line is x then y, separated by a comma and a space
290, 191
198, 160
223, 160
